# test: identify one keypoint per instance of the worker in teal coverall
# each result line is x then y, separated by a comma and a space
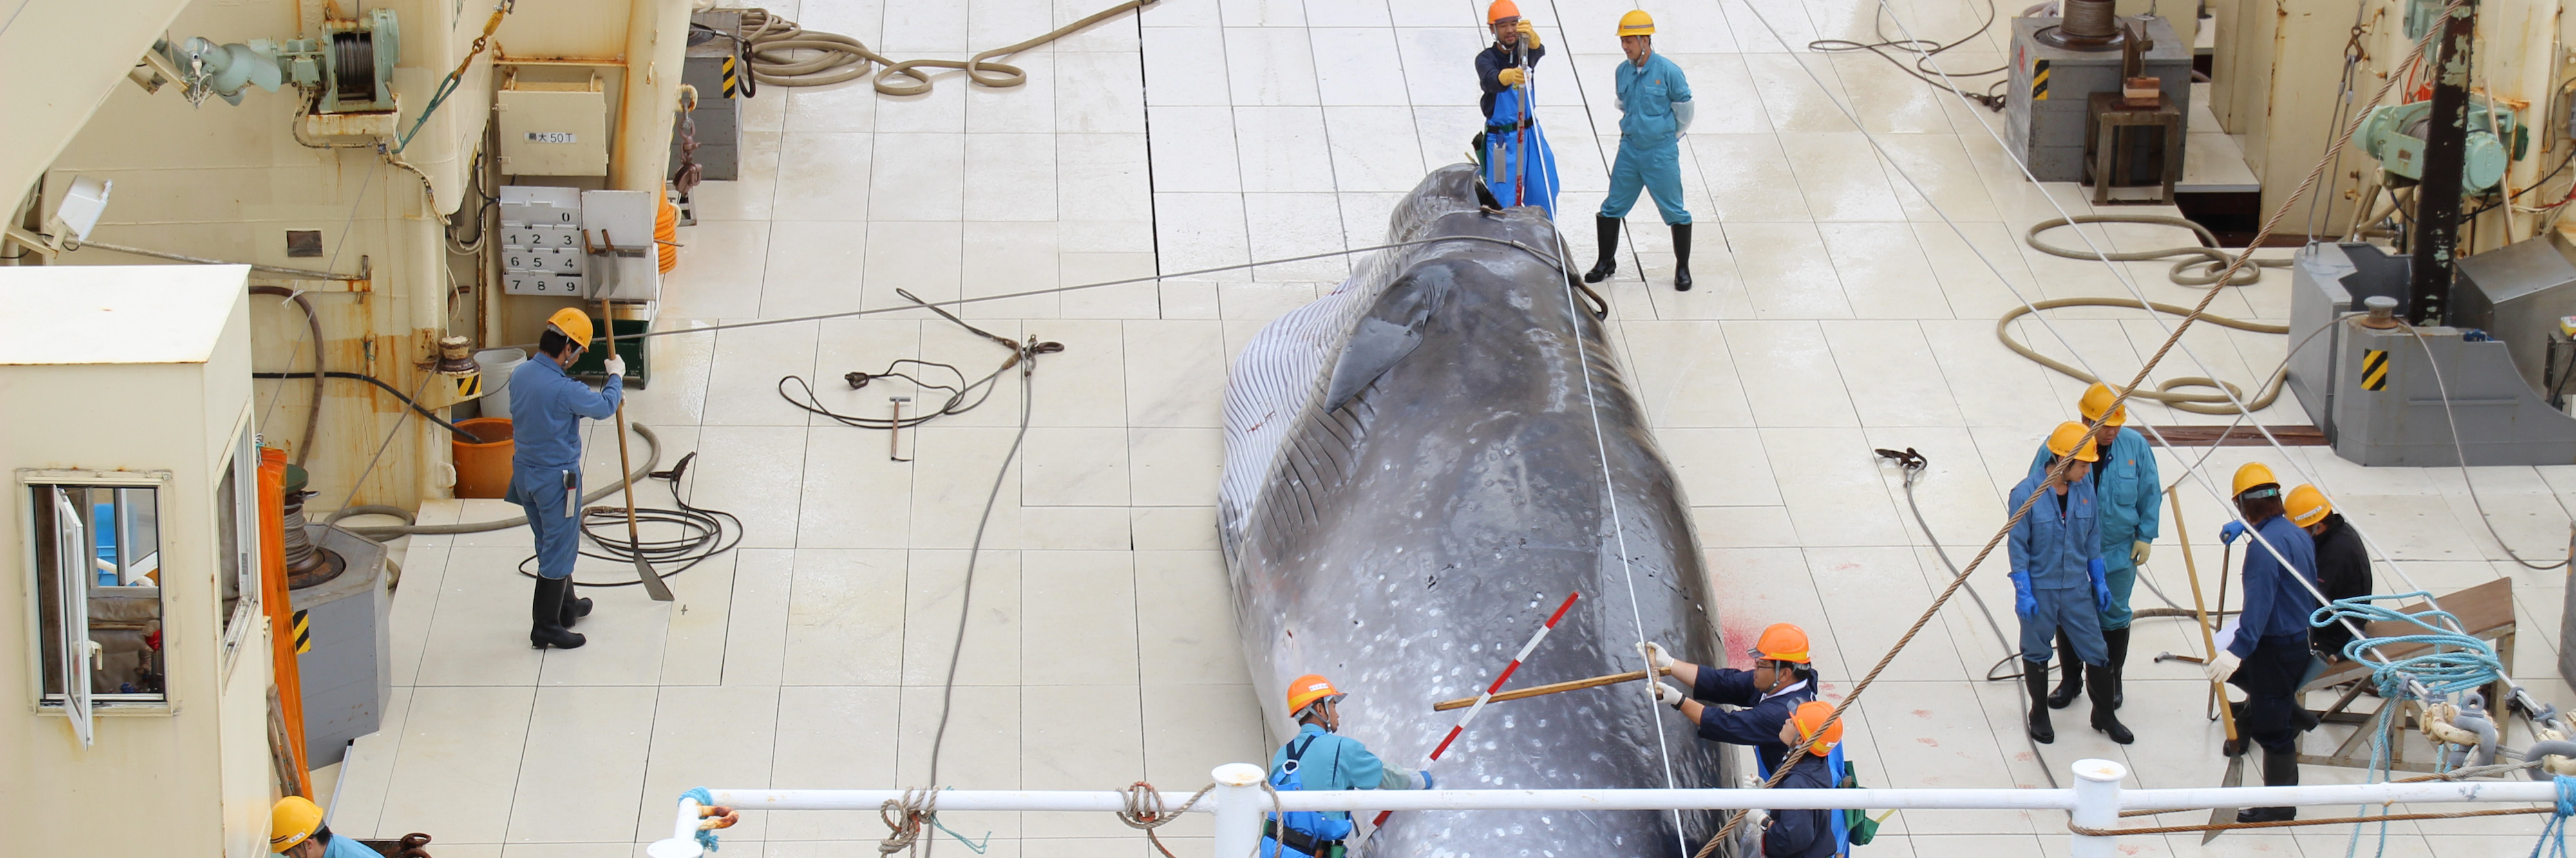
546, 407
2057, 575
1319, 758
2128, 496
1520, 169
1654, 109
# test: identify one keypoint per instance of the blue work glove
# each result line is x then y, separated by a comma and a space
2227, 533
1427, 782
2100, 573
2023, 603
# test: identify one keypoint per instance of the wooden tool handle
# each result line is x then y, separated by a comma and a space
1539, 690
2208, 641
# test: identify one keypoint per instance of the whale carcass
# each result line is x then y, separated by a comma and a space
1419, 467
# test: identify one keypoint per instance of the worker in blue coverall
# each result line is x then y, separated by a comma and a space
1319, 758
2057, 574
1783, 676
1655, 108
1805, 833
2268, 657
1520, 169
546, 407
295, 830
2127, 495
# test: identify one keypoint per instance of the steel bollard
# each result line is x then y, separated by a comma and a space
1239, 804
2097, 805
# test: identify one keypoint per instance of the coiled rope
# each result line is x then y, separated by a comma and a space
785, 54
2456, 663
1142, 809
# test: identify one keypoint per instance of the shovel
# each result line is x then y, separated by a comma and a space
2235, 776
634, 543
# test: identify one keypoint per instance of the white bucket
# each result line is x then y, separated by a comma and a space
497, 365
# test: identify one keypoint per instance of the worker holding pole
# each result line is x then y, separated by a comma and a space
2128, 498
1320, 758
546, 407
2058, 576
1655, 108
2268, 656
1783, 676
1520, 169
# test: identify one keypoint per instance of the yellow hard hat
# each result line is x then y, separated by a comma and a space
1502, 10
1816, 722
2097, 399
1308, 689
1636, 23
2306, 506
573, 324
294, 819
2254, 475
2073, 439
1781, 642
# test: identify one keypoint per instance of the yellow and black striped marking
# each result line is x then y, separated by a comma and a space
470, 386
730, 88
2039, 80
2374, 369
303, 633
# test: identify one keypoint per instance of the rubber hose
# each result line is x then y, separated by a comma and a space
2206, 255
425, 413
772, 39
652, 457
313, 418
2196, 403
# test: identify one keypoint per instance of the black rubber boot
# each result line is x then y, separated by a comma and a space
574, 607
2099, 686
546, 616
1608, 264
2073, 684
2116, 641
1681, 257
2034, 676
2280, 768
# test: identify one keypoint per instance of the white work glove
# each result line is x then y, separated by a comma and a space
616, 365
1666, 693
2138, 552
2221, 666
1656, 659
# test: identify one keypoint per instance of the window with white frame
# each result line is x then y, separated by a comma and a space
237, 545
97, 567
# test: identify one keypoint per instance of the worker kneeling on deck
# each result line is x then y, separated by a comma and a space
2058, 576
1322, 760
295, 830
2127, 497
2343, 565
1783, 676
545, 467
1805, 833
2268, 657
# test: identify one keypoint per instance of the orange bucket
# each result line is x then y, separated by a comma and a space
483, 470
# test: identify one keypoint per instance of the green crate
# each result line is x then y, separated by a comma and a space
639, 369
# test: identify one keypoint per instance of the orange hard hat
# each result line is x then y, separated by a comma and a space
2307, 506
1781, 642
2073, 439
2096, 405
1817, 724
1501, 10
1306, 690
2255, 475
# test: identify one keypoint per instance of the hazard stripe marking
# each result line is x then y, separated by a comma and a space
2374, 369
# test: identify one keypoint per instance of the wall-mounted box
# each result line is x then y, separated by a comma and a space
553, 129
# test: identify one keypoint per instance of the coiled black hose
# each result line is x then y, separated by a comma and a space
704, 533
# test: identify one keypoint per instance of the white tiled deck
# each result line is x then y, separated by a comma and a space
1836, 312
